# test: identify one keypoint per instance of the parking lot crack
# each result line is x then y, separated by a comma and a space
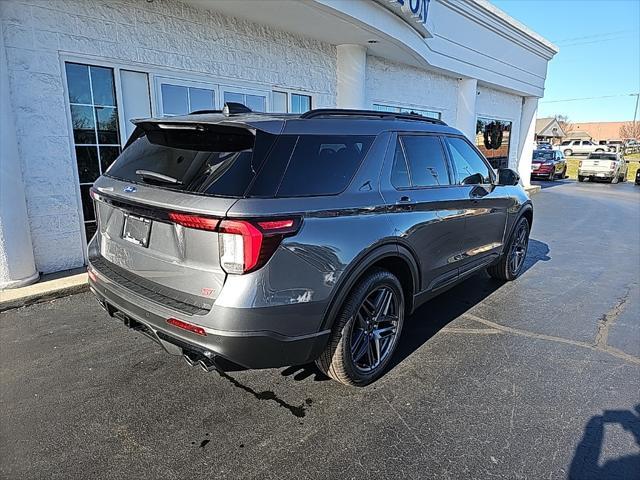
608, 319
539, 336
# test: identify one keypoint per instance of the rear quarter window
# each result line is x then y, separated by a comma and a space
311, 165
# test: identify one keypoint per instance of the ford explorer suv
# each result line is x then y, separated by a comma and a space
609, 166
580, 147
243, 240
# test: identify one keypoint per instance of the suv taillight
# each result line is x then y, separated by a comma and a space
613, 165
580, 164
247, 245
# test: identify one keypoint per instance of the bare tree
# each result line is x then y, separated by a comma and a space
565, 123
630, 130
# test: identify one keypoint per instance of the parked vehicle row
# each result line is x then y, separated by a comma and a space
261, 240
549, 164
580, 147
609, 166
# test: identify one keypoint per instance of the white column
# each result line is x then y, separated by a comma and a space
352, 67
526, 138
17, 267
466, 107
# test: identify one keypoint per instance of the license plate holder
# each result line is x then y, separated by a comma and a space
136, 230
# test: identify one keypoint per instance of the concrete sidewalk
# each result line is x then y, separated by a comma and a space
50, 286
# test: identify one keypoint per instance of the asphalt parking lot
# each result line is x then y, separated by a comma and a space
537, 379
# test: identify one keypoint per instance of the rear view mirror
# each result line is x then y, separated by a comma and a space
506, 176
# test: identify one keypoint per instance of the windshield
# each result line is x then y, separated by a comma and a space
543, 155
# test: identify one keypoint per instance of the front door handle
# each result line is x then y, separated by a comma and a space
404, 199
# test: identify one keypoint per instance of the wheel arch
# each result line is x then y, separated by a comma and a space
393, 257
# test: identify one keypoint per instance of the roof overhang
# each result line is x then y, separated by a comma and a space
459, 38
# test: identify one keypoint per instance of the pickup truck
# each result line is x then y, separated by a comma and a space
610, 166
584, 147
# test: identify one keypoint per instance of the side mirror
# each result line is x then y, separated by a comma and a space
506, 176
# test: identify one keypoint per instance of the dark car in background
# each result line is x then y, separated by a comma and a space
263, 240
548, 164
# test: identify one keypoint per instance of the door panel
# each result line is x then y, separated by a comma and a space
485, 204
429, 220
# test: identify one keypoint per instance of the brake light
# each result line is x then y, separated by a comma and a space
187, 326
246, 246
194, 221
613, 165
580, 164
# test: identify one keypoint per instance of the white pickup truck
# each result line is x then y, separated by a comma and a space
580, 147
610, 166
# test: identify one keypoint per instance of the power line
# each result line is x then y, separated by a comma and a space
590, 98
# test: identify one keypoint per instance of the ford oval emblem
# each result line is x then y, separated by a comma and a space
129, 189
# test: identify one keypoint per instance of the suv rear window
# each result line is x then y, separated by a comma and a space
231, 162
205, 162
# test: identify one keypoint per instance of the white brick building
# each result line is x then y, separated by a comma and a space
74, 72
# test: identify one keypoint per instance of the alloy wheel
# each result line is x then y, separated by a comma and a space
518, 250
374, 331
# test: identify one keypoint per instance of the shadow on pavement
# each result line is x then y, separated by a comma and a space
437, 313
585, 463
544, 184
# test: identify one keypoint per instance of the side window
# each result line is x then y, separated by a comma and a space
470, 168
400, 171
425, 160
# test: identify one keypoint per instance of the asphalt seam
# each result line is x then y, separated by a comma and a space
609, 318
539, 336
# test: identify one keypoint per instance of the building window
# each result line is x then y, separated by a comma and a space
493, 139
96, 133
284, 102
257, 103
180, 98
425, 113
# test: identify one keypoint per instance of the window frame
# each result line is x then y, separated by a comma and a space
239, 90
159, 80
399, 108
289, 92
492, 172
445, 156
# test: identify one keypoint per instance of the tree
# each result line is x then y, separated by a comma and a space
565, 123
630, 130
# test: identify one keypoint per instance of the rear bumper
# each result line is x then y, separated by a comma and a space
247, 349
592, 173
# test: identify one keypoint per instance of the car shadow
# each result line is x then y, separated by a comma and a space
585, 464
544, 184
437, 313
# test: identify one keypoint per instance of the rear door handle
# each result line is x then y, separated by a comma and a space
404, 199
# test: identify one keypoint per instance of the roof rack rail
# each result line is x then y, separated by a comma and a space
343, 112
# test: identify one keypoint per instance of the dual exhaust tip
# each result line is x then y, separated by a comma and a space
205, 363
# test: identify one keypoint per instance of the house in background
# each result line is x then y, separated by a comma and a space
600, 132
548, 129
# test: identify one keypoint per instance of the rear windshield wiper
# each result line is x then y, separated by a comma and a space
158, 177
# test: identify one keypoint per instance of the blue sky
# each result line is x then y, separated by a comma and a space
599, 43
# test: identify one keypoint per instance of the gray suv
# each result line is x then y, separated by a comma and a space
250, 240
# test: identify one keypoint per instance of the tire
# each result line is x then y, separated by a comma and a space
337, 360
615, 179
568, 152
599, 150
504, 269
581, 178
564, 173
552, 175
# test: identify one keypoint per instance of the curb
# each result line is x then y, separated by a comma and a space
43, 291
533, 189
